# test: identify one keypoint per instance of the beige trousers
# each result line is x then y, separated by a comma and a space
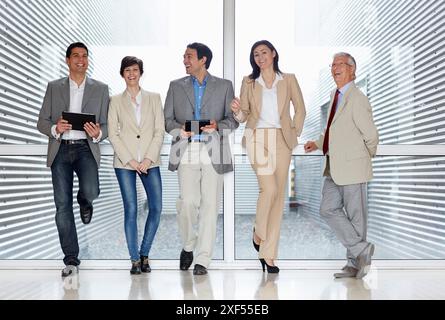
270, 158
198, 204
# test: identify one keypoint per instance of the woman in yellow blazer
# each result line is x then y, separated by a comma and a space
270, 136
136, 131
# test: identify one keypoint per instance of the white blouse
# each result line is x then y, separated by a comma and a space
138, 114
269, 117
137, 107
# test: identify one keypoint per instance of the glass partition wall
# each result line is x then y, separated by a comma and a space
400, 66
398, 48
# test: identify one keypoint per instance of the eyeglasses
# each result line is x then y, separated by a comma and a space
340, 64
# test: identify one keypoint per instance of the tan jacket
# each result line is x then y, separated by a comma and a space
288, 90
125, 135
353, 139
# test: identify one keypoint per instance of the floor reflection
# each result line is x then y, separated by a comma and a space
267, 289
140, 288
221, 285
196, 287
356, 289
71, 287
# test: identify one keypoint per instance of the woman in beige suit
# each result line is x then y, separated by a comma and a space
136, 131
269, 137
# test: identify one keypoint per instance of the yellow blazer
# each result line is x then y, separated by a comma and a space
251, 98
353, 139
127, 137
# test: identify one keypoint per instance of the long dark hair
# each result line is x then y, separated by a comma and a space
255, 69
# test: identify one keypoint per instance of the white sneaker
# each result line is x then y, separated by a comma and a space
69, 270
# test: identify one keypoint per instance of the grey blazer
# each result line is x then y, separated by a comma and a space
180, 106
57, 99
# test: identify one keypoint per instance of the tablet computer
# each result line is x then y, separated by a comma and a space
195, 125
77, 120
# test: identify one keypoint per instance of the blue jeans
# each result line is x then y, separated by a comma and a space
153, 189
79, 159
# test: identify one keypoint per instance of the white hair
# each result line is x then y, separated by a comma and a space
351, 60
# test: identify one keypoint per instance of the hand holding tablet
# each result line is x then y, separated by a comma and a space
78, 120
195, 125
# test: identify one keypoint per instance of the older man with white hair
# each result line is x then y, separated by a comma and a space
349, 142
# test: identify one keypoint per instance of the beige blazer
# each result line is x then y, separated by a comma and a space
127, 137
251, 98
353, 139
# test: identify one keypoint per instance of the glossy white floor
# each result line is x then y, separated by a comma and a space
221, 284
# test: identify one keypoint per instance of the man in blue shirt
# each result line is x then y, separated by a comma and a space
201, 160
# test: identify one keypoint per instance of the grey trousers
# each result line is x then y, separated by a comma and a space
345, 210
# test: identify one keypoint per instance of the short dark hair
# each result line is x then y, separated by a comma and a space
75, 45
129, 61
202, 51
255, 69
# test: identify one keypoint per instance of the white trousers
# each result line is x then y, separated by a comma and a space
198, 204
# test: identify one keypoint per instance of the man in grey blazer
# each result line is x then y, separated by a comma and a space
201, 159
349, 142
74, 150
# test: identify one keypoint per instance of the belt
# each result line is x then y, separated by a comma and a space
64, 141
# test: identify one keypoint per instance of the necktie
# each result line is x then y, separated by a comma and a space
331, 116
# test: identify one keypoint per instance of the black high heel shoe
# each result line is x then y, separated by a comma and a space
270, 269
256, 246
